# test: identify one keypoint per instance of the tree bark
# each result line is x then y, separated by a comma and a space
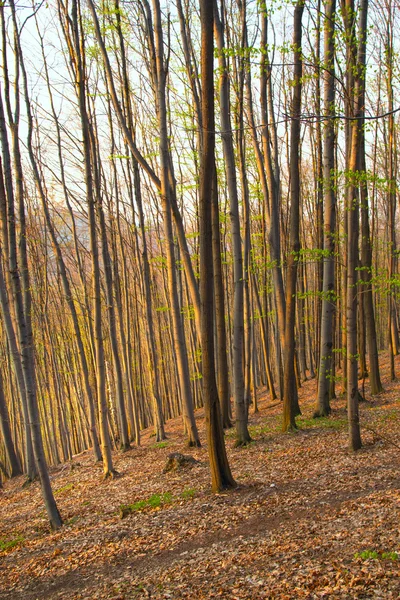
289, 387
220, 471
329, 296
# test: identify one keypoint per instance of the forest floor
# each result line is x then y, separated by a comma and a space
309, 518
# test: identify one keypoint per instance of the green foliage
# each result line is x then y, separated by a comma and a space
8, 544
162, 308
188, 493
65, 488
272, 426
118, 156
160, 445
373, 554
196, 376
188, 312
155, 501
321, 422
259, 430
159, 261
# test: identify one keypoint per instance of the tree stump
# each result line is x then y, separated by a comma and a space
177, 461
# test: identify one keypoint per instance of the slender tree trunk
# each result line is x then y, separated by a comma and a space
329, 297
221, 350
22, 294
289, 389
15, 467
62, 268
179, 337
242, 433
366, 276
77, 56
8, 242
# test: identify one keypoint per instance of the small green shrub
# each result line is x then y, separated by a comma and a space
65, 488
8, 544
390, 556
188, 494
231, 433
273, 425
155, 501
372, 554
160, 445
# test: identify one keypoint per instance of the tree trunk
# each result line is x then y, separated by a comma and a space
242, 433
289, 388
329, 297
220, 471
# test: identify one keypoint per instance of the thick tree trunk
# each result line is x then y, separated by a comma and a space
357, 65
220, 471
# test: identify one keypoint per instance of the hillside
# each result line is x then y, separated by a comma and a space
309, 518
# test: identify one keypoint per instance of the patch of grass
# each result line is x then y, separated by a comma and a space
246, 445
65, 488
390, 415
155, 501
8, 544
188, 493
230, 433
390, 556
321, 422
72, 520
160, 445
270, 427
373, 554
255, 430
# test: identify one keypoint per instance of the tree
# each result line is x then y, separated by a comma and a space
328, 301
289, 385
220, 471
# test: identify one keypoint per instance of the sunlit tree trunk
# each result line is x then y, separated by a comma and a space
328, 300
220, 471
242, 433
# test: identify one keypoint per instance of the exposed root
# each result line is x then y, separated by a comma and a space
110, 475
242, 443
125, 447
